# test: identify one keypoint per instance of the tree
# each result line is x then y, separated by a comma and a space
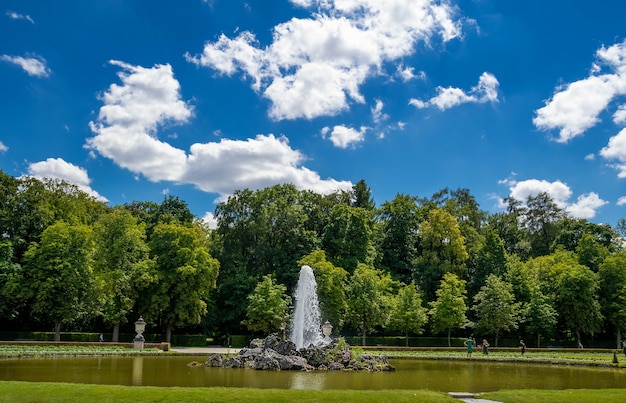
442, 250
541, 217
447, 312
348, 238
399, 226
10, 274
495, 307
612, 276
122, 264
268, 307
362, 196
490, 259
185, 275
539, 315
331, 285
58, 275
369, 300
577, 299
408, 314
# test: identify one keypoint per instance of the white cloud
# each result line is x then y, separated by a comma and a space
377, 112
34, 66
616, 150
485, 91
585, 206
325, 59
619, 117
343, 136
575, 107
3, 147
621, 201
408, 73
126, 130
210, 220
17, 16
57, 168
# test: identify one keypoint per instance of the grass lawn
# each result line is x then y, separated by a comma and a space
66, 392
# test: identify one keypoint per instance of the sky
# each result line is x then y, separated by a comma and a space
135, 100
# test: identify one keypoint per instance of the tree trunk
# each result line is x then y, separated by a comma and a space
578, 343
406, 338
116, 333
449, 345
364, 334
619, 338
168, 333
496, 339
57, 331
538, 340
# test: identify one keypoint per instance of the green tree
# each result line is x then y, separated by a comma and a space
331, 286
185, 275
362, 196
399, 224
577, 299
495, 307
268, 307
541, 217
58, 276
122, 265
348, 238
369, 299
10, 274
490, 259
442, 250
539, 315
408, 314
612, 276
448, 311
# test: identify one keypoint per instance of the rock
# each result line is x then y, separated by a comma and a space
214, 361
273, 354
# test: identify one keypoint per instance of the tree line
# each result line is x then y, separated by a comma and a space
412, 265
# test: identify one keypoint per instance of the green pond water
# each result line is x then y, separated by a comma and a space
446, 376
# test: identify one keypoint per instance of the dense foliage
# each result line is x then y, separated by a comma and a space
438, 264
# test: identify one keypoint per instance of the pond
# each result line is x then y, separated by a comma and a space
445, 376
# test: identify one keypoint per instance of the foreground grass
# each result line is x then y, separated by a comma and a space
553, 396
66, 392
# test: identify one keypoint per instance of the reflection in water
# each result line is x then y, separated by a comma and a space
137, 370
445, 376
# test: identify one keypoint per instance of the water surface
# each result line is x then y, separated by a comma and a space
445, 376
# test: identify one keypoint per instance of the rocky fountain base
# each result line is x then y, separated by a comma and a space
272, 353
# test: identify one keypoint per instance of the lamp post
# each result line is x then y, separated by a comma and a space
327, 329
139, 340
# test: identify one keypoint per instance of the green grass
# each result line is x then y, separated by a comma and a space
66, 392
32, 351
556, 396
563, 357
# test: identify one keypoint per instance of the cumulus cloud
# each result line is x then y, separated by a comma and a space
621, 201
585, 206
324, 59
127, 127
485, 91
17, 16
377, 112
575, 107
33, 66
616, 151
3, 147
57, 168
210, 220
343, 137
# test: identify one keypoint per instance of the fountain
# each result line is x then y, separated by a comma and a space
306, 328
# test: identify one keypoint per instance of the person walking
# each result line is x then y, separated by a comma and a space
522, 346
485, 347
469, 344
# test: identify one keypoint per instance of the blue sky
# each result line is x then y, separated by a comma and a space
134, 100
